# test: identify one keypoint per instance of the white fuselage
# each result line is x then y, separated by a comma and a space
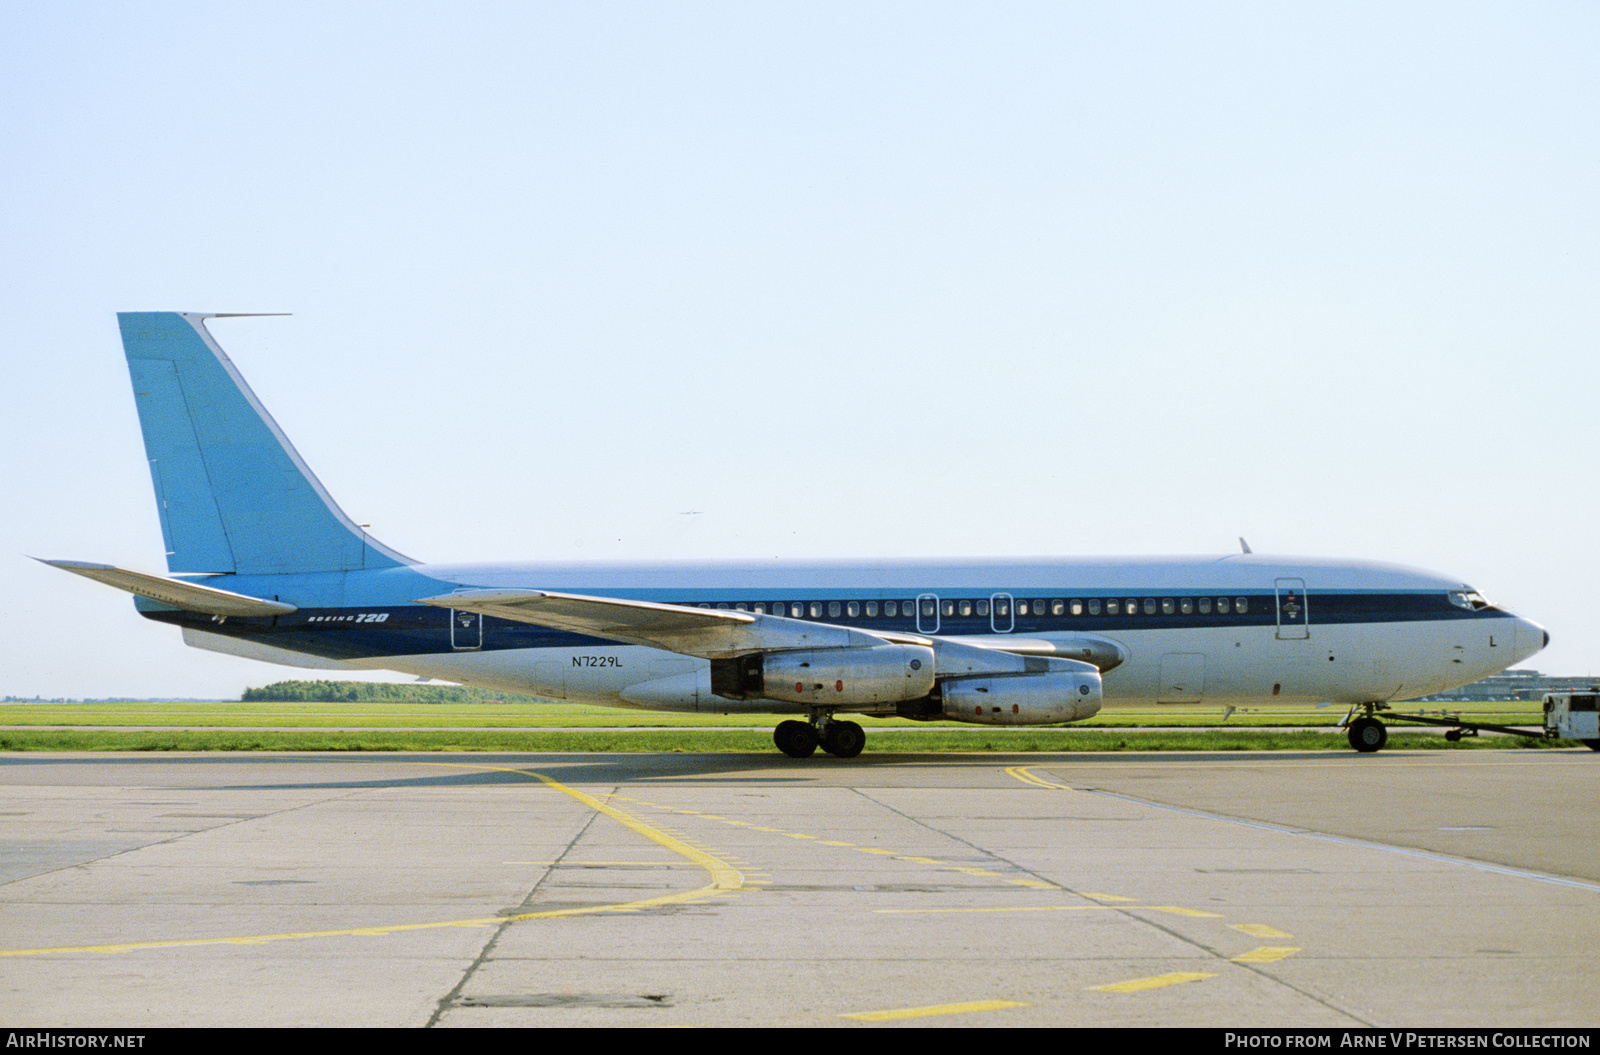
1237, 630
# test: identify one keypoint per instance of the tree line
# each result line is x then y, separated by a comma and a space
367, 692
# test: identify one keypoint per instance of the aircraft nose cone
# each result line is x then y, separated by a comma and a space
1531, 638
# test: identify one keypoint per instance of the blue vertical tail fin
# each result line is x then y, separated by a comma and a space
234, 495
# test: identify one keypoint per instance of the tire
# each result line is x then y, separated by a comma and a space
844, 739
795, 739
1368, 735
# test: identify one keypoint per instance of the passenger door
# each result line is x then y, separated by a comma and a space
1294, 620
1001, 619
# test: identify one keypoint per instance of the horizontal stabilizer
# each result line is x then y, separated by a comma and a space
187, 595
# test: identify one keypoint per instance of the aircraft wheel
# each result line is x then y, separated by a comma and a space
844, 739
1368, 735
795, 739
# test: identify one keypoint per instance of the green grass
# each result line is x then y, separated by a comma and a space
515, 713
515, 725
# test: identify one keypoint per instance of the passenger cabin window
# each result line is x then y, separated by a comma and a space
1038, 607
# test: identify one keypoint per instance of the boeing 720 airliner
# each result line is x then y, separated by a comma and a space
262, 563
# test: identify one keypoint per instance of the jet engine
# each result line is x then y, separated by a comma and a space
1022, 699
845, 677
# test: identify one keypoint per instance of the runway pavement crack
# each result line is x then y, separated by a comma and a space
176, 837
1129, 912
451, 999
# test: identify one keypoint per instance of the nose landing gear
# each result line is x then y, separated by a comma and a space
1367, 734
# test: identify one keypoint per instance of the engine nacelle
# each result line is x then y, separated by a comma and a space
1022, 699
844, 677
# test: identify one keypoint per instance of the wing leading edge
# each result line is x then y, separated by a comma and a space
707, 633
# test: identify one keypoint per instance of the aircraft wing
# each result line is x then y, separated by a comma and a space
720, 633
708, 633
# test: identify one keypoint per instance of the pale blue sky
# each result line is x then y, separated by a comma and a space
864, 279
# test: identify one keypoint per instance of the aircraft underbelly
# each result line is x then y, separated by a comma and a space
1347, 663
608, 676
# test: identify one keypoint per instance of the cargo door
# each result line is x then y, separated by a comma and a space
466, 630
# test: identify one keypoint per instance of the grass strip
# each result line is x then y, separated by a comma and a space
523, 715
918, 741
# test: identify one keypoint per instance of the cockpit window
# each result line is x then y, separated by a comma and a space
1471, 600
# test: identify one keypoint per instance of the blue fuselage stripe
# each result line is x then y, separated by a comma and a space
371, 632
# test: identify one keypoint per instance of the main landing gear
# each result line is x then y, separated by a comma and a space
801, 739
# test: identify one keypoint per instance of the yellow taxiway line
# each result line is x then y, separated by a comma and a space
1139, 985
725, 878
935, 1009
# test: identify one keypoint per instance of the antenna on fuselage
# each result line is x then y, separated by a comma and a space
1245, 545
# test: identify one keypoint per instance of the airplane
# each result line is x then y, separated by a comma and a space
262, 563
